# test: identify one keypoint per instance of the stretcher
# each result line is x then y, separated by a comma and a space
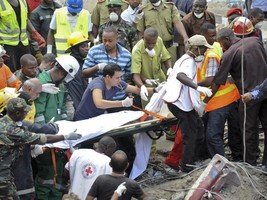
156, 125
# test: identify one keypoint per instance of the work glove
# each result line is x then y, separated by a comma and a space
54, 125
127, 102
152, 81
121, 189
72, 135
169, 71
204, 90
201, 109
38, 56
144, 93
101, 66
38, 150
50, 88
138, 16
160, 86
39, 39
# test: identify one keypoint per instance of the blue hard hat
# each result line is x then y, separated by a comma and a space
74, 6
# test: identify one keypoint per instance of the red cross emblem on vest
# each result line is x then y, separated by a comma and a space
88, 170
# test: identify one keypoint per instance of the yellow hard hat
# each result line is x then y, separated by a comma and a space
5, 96
75, 39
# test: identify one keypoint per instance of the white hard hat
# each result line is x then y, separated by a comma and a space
70, 64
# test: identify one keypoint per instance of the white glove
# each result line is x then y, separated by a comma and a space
96, 41
121, 189
101, 66
169, 71
138, 17
152, 81
144, 93
38, 150
160, 86
49, 48
72, 135
127, 102
204, 90
50, 88
201, 109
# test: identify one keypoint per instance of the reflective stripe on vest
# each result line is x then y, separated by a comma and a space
50, 182
10, 31
64, 30
226, 94
11, 79
26, 191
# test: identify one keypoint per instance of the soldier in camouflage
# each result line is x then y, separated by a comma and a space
13, 138
128, 36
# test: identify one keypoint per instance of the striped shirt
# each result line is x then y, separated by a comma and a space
98, 54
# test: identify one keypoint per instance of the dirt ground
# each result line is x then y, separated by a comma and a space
157, 181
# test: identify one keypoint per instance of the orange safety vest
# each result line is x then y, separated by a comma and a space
227, 93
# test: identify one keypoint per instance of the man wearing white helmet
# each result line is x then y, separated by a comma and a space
50, 106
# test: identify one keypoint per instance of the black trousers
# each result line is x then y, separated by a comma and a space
193, 136
254, 111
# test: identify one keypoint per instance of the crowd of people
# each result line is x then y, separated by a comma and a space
61, 62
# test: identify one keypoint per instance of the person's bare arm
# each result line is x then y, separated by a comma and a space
181, 30
137, 80
206, 82
102, 103
95, 31
137, 90
186, 81
167, 64
90, 72
50, 37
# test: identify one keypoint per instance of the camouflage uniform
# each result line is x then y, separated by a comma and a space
127, 34
12, 140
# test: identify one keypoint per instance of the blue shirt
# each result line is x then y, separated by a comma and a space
98, 54
87, 108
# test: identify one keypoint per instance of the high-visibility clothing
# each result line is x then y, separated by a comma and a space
227, 93
8, 79
11, 32
63, 30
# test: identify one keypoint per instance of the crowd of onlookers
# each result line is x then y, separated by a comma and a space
61, 62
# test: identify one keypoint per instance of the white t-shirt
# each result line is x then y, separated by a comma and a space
85, 166
72, 20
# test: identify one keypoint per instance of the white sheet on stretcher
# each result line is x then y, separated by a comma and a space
93, 127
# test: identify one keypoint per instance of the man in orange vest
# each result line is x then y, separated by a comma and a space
224, 104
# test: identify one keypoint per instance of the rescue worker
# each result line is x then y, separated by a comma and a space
41, 18
127, 34
50, 106
78, 48
148, 57
65, 21
28, 65
254, 65
85, 165
7, 78
14, 24
223, 105
186, 107
164, 17
100, 15
13, 139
